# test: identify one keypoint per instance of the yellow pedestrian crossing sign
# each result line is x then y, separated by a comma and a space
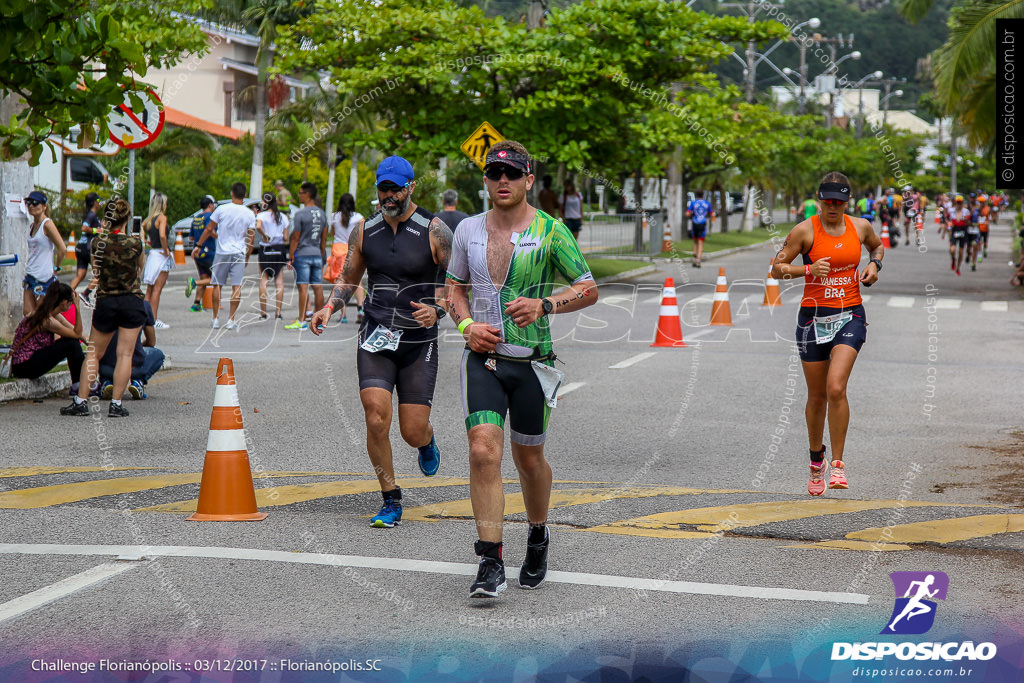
480, 142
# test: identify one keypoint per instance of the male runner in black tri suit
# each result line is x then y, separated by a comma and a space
404, 250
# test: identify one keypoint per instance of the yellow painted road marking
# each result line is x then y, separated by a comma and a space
60, 494
559, 498
754, 514
180, 375
945, 530
298, 493
852, 545
38, 470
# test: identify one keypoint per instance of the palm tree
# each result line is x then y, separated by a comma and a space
964, 68
327, 108
262, 17
177, 143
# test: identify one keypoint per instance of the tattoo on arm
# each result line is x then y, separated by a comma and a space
442, 234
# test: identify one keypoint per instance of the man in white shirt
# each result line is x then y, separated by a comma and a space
232, 225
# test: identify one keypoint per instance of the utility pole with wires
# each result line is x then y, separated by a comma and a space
752, 9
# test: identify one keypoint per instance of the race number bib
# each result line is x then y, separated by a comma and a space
974, 230
382, 339
958, 234
826, 327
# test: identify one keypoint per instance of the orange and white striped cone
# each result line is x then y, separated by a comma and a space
937, 221
666, 240
885, 237
720, 312
772, 295
71, 242
226, 493
670, 330
179, 251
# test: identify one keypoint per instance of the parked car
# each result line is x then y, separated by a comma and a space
81, 167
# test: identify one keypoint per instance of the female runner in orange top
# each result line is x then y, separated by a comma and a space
831, 326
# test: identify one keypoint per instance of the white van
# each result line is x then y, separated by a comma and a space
81, 167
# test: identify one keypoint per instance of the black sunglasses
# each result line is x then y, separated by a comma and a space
32, 202
393, 188
495, 172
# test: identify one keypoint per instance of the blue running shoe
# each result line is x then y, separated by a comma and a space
430, 458
390, 514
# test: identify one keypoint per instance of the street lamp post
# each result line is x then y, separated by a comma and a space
885, 101
860, 104
834, 69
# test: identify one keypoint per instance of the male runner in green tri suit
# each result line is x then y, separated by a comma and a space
509, 257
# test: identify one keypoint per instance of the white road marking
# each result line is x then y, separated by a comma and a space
632, 361
995, 306
571, 386
656, 299
865, 298
433, 567
949, 304
698, 334
901, 302
44, 596
616, 299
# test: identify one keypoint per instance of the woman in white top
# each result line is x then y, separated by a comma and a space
272, 225
43, 243
571, 209
159, 262
343, 222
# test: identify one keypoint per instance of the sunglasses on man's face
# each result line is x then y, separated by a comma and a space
390, 188
32, 202
495, 172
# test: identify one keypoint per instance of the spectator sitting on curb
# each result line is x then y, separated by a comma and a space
44, 338
146, 360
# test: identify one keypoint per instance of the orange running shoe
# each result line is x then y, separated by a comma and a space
816, 484
838, 478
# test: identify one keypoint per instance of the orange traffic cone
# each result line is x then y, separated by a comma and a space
937, 213
179, 251
885, 237
666, 241
772, 295
670, 331
208, 297
226, 493
720, 313
71, 242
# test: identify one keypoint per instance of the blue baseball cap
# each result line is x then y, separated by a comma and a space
397, 170
38, 196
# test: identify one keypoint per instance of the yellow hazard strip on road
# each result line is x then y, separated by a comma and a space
39, 470
944, 530
514, 503
297, 493
726, 517
61, 494
939, 531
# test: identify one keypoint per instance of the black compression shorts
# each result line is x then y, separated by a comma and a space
510, 387
853, 334
412, 367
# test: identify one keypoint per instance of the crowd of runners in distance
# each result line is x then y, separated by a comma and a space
963, 220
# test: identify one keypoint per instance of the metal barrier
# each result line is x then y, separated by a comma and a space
616, 234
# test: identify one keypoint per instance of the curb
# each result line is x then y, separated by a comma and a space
628, 274
47, 385
35, 388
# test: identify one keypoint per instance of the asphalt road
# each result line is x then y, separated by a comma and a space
682, 536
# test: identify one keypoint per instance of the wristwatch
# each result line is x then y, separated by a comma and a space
440, 311
877, 262
547, 306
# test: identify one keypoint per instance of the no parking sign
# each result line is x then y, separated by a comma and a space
133, 129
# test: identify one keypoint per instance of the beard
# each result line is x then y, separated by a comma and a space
393, 207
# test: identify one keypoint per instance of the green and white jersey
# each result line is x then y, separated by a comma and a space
544, 248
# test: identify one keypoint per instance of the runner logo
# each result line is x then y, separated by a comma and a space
914, 612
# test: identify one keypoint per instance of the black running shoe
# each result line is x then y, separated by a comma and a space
535, 568
116, 410
490, 579
76, 409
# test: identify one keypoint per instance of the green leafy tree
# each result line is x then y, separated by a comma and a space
964, 68
66, 63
